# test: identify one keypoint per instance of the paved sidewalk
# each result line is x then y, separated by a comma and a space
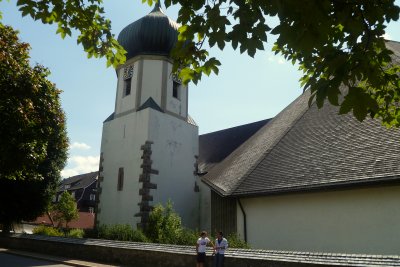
66, 261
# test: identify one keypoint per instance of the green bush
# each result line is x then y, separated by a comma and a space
47, 230
76, 233
122, 232
187, 237
139, 236
235, 241
164, 225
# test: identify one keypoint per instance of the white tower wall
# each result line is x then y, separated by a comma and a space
174, 149
128, 102
120, 150
163, 121
152, 81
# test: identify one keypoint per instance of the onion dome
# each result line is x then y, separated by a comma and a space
154, 34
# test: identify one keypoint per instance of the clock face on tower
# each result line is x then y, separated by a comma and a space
128, 72
176, 79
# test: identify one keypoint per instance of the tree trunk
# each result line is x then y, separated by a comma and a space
51, 218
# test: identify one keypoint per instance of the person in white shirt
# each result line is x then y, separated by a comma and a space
201, 246
221, 244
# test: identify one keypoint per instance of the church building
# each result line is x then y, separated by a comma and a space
305, 180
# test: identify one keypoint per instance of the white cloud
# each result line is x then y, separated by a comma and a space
387, 36
281, 60
80, 164
276, 59
77, 145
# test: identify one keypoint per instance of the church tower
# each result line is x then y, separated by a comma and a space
149, 144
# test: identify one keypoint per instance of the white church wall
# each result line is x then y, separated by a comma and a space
350, 221
152, 80
173, 155
121, 142
240, 221
176, 105
127, 102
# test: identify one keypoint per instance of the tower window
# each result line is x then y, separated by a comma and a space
175, 89
120, 185
127, 86
128, 73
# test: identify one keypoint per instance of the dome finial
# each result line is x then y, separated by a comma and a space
157, 7
154, 34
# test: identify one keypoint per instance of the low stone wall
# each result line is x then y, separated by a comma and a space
154, 255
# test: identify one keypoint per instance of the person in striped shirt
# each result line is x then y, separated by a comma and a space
221, 244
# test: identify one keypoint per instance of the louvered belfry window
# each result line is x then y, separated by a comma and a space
120, 185
128, 73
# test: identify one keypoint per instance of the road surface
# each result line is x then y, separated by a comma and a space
9, 260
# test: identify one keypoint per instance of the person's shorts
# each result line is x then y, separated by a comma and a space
201, 257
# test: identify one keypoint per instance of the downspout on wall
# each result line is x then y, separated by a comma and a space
244, 220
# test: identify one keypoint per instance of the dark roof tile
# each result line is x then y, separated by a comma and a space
216, 146
78, 181
304, 148
227, 175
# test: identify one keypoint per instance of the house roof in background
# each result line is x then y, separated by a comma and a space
78, 181
395, 47
304, 148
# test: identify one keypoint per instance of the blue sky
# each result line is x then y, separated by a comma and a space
246, 89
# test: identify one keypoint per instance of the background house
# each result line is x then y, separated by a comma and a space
82, 188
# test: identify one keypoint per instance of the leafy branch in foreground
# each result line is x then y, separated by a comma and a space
87, 17
335, 42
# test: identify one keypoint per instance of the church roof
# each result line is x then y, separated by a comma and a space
216, 146
154, 34
304, 148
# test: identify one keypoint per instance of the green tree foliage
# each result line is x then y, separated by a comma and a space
46, 230
86, 17
335, 43
122, 232
164, 225
66, 209
76, 233
33, 138
52, 231
236, 242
